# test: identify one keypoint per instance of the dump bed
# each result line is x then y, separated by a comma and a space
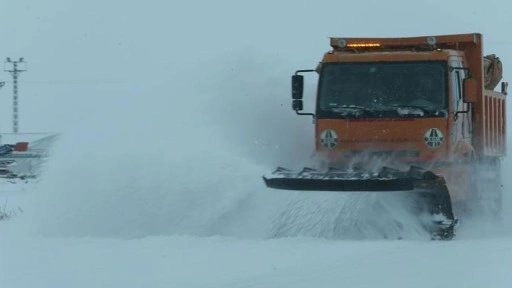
493, 128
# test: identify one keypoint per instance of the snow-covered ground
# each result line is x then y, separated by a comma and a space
144, 228
231, 243
184, 261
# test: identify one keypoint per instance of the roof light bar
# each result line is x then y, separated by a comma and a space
363, 45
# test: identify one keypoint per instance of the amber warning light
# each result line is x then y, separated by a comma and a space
342, 43
363, 45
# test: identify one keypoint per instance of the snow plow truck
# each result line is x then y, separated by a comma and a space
418, 115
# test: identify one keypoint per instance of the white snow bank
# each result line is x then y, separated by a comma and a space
227, 262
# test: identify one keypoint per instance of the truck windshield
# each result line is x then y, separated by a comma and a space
383, 89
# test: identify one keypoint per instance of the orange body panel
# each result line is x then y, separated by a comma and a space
383, 139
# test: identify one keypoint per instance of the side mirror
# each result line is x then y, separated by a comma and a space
297, 91
297, 105
297, 87
470, 90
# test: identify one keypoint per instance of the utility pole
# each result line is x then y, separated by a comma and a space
2, 83
14, 68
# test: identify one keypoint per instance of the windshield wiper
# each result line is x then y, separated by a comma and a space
350, 109
421, 108
425, 110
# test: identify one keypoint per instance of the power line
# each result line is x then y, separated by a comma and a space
15, 71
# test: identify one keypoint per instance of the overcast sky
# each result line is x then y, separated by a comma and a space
93, 61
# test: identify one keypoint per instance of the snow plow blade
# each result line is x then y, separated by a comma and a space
429, 187
332, 180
